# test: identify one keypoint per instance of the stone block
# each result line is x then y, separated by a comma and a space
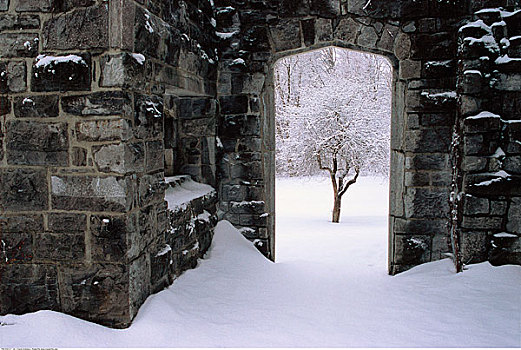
247, 207
426, 203
256, 39
440, 45
512, 164
17, 248
67, 222
28, 288
412, 250
514, 216
103, 130
120, 158
410, 69
402, 46
18, 45
473, 144
122, 70
67, 5
286, 35
498, 208
70, 31
482, 223
108, 240
237, 104
38, 106
154, 156
417, 179
508, 81
387, 38
239, 126
60, 246
474, 247
92, 193
426, 162
21, 223
99, 103
96, 292
441, 245
4, 5
37, 143
429, 140
61, 73
323, 30
34, 5
148, 116
19, 22
472, 82
469, 105
160, 266
514, 49
475, 205
12, 77
368, 37
151, 189
436, 119
470, 163
325, 8
347, 30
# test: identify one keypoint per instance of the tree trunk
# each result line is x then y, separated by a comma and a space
336, 209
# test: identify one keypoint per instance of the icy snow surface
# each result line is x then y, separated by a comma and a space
329, 287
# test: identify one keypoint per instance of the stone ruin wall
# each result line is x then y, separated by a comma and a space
83, 215
488, 138
420, 38
86, 142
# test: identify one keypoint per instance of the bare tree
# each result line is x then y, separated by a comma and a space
341, 123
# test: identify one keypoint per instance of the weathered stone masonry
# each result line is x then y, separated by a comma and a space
89, 89
100, 100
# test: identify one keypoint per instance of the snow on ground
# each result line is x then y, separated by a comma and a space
328, 288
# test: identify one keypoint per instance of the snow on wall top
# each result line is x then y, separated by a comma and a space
182, 189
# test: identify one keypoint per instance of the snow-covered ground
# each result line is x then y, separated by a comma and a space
329, 287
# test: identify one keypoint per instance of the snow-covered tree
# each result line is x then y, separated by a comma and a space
333, 114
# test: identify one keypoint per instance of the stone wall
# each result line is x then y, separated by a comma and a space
420, 40
94, 113
488, 194
83, 105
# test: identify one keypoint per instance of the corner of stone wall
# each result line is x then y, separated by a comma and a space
82, 106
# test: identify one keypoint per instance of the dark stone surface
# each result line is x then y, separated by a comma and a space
37, 143
34, 5
71, 31
109, 238
28, 288
62, 74
60, 246
17, 247
42, 106
97, 292
14, 45
23, 190
148, 116
19, 22
99, 103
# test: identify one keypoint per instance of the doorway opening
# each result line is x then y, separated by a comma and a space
332, 157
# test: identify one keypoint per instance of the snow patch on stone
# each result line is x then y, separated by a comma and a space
44, 60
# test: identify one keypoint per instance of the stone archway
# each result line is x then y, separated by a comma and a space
422, 51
